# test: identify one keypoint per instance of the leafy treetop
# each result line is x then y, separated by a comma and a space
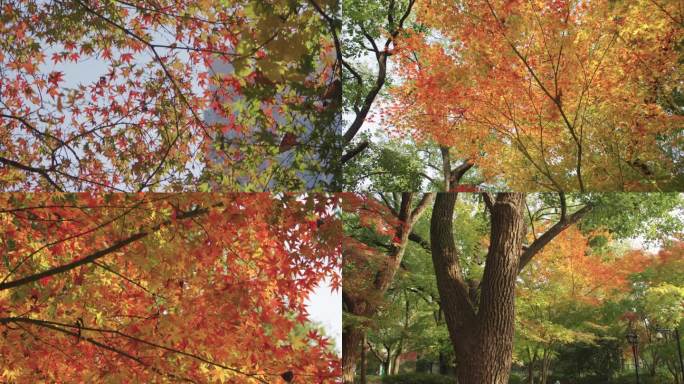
548, 94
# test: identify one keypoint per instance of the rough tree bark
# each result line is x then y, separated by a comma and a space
351, 341
482, 339
481, 327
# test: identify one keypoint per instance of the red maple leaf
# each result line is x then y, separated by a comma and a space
55, 77
126, 57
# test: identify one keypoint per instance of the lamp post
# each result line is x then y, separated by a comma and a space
660, 334
633, 340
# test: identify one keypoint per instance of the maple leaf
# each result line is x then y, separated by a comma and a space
55, 77
302, 317
126, 57
70, 45
323, 343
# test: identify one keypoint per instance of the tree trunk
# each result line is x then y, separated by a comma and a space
482, 333
530, 372
396, 362
530, 367
386, 367
351, 341
652, 368
364, 360
674, 370
546, 361
443, 364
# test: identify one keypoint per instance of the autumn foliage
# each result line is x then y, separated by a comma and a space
141, 96
547, 94
569, 265
164, 287
371, 224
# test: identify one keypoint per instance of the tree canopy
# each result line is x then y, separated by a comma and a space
140, 96
538, 95
165, 287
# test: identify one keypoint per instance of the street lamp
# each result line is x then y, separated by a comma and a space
661, 333
633, 340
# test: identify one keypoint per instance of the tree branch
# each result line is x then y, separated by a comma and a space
99, 254
54, 327
420, 240
381, 76
488, 200
354, 151
457, 173
417, 212
41, 171
551, 233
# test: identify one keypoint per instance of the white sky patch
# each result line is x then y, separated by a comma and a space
641, 243
325, 307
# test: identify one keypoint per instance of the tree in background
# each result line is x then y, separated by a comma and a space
377, 232
390, 166
140, 124
371, 30
656, 301
165, 287
560, 295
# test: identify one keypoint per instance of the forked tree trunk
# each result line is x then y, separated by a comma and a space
482, 333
